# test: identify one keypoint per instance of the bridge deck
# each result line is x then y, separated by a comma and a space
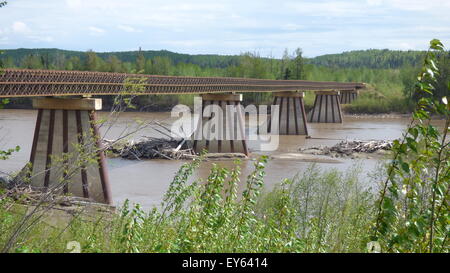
33, 83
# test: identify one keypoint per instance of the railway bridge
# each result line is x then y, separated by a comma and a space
66, 126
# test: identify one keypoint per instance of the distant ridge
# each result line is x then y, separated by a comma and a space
371, 58
205, 60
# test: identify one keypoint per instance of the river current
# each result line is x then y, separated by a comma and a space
145, 181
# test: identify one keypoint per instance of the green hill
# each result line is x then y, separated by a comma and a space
52, 54
372, 58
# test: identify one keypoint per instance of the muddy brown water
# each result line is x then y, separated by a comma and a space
146, 181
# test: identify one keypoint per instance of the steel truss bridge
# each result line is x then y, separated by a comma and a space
35, 83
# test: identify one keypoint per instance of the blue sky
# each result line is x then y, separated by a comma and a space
224, 26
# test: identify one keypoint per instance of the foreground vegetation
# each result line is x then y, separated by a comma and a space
315, 212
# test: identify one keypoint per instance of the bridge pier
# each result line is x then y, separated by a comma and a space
327, 107
348, 96
221, 126
291, 113
66, 154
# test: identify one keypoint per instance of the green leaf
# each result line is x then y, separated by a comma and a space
405, 167
403, 148
388, 204
430, 72
433, 65
414, 132
412, 144
436, 44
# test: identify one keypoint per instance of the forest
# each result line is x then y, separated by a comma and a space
390, 74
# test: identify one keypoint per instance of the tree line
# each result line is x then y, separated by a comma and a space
372, 58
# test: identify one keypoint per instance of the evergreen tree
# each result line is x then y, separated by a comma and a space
92, 61
161, 66
32, 62
114, 64
287, 73
140, 62
298, 65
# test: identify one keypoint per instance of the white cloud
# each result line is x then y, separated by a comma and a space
74, 3
35, 38
291, 27
329, 8
421, 5
128, 28
374, 2
96, 30
20, 27
4, 40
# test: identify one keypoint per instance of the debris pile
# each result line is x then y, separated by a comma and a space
358, 146
150, 148
349, 148
29, 196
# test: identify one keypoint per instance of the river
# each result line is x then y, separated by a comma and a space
146, 181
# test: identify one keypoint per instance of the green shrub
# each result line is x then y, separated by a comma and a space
314, 212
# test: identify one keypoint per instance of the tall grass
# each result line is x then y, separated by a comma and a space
375, 100
314, 212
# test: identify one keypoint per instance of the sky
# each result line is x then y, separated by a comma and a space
225, 27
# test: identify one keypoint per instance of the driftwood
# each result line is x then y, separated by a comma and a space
347, 148
219, 156
150, 148
157, 148
27, 195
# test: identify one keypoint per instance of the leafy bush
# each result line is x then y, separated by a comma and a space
413, 212
314, 212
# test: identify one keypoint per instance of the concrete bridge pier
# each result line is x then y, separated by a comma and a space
292, 115
221, 128
348, 96
327, 108
66, 154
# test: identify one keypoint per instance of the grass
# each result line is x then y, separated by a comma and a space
317, 211
376, 100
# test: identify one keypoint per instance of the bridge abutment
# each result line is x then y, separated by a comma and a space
221, 127
66, 155
348, 96
327, 108
292, 115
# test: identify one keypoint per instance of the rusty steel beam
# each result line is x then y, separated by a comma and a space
33, 83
